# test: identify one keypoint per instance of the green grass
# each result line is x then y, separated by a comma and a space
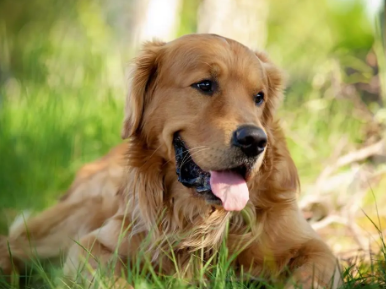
214, 273
47, 135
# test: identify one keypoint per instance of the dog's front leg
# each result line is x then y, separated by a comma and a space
310, 265
288, 246
314, 266
101, 255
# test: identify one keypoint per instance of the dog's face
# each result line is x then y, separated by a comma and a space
205, 102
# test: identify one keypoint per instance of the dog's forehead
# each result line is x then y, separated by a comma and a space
209, 51
208, 47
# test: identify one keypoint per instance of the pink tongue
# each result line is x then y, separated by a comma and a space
230, 188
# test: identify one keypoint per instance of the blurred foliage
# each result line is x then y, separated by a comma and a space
323, 46
61, 96
62, 86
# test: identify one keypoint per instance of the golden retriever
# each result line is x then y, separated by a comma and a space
206, 163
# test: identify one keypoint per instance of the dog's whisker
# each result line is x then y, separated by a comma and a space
197, 152
195, 148
189, 156
188, 152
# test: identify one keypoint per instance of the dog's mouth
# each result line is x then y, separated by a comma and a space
225, 187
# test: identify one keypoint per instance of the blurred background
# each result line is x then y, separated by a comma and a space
62, 87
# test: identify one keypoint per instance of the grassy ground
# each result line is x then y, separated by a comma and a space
216, 274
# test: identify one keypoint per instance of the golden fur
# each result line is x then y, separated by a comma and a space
131, 201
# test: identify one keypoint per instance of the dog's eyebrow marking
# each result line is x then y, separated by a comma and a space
214, 68
207, 63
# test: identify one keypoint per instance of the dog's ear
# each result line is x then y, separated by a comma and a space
279, 171
142, 76
274, 78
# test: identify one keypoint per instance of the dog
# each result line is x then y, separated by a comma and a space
205, 164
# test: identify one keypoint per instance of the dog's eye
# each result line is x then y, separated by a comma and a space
206, 86
259, 98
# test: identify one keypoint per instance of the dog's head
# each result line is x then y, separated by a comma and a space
205, 104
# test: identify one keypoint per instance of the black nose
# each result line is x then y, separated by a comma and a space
251, 139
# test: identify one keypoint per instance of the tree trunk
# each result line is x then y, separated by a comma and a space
241, 20
155, 19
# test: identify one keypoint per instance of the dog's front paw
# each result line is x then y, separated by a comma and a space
5, 262
302, 280
121, 283
306, 278
7, 268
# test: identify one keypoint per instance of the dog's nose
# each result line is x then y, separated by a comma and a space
251, 139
